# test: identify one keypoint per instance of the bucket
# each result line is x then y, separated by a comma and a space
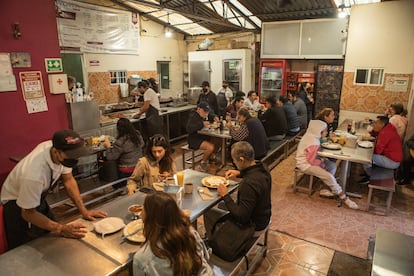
124, 90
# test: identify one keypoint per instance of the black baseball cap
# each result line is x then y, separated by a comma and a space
70, 143
204, 106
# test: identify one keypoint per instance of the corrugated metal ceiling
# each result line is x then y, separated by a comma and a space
197, 17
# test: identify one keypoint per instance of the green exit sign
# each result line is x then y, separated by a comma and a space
53, 65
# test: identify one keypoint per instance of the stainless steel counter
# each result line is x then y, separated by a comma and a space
51, 255
131, 112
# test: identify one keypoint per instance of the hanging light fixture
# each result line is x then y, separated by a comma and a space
167, 29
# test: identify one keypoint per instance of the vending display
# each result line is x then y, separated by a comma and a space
272, 78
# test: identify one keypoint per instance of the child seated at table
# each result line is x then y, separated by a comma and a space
307, 160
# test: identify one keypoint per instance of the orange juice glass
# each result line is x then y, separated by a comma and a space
180, 178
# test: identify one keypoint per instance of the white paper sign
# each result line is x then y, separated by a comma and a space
93, 29
396, 84
36, 105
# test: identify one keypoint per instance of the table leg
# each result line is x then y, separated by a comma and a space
345, 167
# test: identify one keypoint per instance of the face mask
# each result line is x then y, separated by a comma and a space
70, 163
224, 86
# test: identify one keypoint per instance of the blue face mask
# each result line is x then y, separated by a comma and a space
70, 163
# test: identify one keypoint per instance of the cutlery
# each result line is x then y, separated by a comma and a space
131, 234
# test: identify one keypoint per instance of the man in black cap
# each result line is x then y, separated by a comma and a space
196, 121
26, 212
210, 98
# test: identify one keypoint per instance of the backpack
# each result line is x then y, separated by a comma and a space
221, 102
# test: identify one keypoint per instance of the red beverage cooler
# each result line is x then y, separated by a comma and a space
272, 78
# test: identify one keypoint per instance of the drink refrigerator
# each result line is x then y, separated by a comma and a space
272, 78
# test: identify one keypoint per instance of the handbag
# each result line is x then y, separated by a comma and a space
230, 239
108, 170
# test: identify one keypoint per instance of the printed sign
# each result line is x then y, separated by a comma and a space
396, 84
53, 65
32, 84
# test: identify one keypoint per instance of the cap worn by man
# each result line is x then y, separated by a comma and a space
70, 143
204, 106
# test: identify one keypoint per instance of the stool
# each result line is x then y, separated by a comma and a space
298, 178
190, 160
387, 185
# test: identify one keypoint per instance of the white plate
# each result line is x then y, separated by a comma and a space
365, 144
331, 146
133, 226
214, 181
108, 225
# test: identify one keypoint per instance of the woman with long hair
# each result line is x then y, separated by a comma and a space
155, 165
127, 148
327, 115
172, 246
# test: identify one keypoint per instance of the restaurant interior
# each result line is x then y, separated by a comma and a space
357, 57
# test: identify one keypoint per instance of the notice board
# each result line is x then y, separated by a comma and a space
89, 28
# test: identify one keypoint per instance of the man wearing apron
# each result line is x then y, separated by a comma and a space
26, 212
151, 109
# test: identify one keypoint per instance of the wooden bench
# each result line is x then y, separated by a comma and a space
299, 177
276, 153
194, 154
292, 142
243, 265
387, 185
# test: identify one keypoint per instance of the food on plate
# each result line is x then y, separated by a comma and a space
135, 209
365, 144
132, 227
331, 146
214, 181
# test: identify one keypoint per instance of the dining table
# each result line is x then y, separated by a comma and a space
98, 254
221, 133
349, 154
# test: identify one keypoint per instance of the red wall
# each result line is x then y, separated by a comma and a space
20, 131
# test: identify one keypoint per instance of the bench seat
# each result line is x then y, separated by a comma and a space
86, 186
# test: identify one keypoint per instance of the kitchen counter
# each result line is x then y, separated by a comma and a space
131, 112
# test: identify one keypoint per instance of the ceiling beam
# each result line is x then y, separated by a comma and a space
242, 14
185, 13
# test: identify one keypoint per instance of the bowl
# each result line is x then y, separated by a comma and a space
135, 209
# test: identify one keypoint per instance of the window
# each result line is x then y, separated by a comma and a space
118, 77
163, 68
369, 76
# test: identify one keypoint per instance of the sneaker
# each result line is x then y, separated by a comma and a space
352, 205
326, 193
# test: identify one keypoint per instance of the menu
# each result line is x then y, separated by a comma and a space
93, 29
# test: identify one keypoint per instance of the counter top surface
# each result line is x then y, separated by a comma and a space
131, 112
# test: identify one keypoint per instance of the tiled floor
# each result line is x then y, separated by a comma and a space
308, 231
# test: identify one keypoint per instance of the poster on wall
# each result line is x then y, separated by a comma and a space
93, 29
396, 84
32, 84
7, 79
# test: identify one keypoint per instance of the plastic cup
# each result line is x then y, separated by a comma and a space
180, 178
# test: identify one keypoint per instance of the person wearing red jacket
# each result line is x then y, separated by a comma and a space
388, 149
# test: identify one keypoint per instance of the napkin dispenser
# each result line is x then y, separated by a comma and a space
175, 191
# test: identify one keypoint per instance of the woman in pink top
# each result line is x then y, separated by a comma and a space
396, 113
308, 161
